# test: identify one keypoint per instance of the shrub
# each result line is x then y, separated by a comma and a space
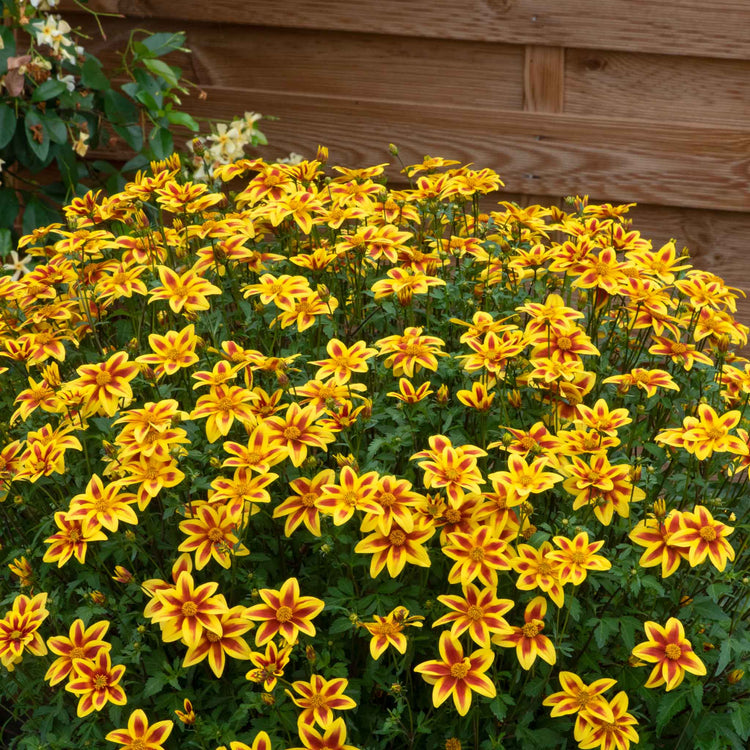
318, 462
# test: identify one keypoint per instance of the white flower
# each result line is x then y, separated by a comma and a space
69, 81
18, 265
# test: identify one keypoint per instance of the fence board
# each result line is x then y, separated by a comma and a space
698, 166
680, 27
335, 63
657, 87
544, 79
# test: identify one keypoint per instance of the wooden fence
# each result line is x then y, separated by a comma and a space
625, 100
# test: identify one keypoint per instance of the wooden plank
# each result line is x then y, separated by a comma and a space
335, 63
679, 27
657, 87
543, 79
535, 152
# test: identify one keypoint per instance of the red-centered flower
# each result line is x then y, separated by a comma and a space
477, 398
283, 290
657, 537
396, 548
303, 505
269, 666
186, 293
479, 612
477, 555
388, 631
458, 675
106, 383
18, 631
188, 609
711, 434
187, 716
343, 360
284, 612
296, 431
227, 640
171, 351
524, 479
333, 737
576, 556
411, 351
680, 353
72, 539
704, 537
96, 683
305, 310
529, 641
81, 643
139, 735
320, 698
408, 394
353, 492
537, 570
261, 742
671, 652
259, 455
616, 734
222, 405
646, 380
105, 505
584, 700
452, 470
396, 498
211, 534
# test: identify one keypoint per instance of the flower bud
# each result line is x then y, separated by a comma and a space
442, 395
735, 676
393, 149
268, 699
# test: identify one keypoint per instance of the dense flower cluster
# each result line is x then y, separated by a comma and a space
304, 418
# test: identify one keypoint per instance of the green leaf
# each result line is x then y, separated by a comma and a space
706, 608
159, 44
92, 75
148, 100
605, 629
166, 72
55, 127
696, 697
628, 626
39, 149
741, 719
9, 207
669, 705
160, 140
8, 47
153, 685
38, 214
7, 124
48, 90
725, 655
131, 134
119, 109
184, 119
6, 242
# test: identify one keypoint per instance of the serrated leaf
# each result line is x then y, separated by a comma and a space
695, 697
153, 685
740, 717
725, 655
669, 705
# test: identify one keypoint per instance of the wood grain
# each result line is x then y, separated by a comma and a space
677, 27
657, 87
535, 152
331, 63
543, 79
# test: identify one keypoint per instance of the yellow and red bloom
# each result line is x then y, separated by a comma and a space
477, 398
81, 643
105, 505
479, 612
211, 534
297, 431
711, 434
172, 351
388, 631
106, 383
670, 652
305, 310
285, 613
269, 666
537, 570
704, 537
222, 405
261, 742
343, 360
303, 506
458, 675
577, 556
647, 380
529, 641
96, 683
408, 394
139, 735
411, 351
353, 492
523, 479
584, 700
226, 640
396, 548
319, 699
614, 734
478, 554
186, 292
186, 610
333, 737
72, 539
18, 632
656, 535
187, 715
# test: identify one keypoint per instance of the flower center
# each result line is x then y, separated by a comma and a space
673, 651
528, 443
303, 306
477, 554
16, 635
679, 348
397, 538
564, 343
102, 505
387, 499
77, 653
386, 628
714, 433
103, 378
212, 637
284, 614
544, 568
350, 498
474, 612
583, 698
292, 432
460, 670
414, 350
708, 533
74, 535
530, 630
215, 534
525, 480
138, 744
452, 515
101, 681
316, 700
189, 609
578, 558
252, 459
308, 499
224, 404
